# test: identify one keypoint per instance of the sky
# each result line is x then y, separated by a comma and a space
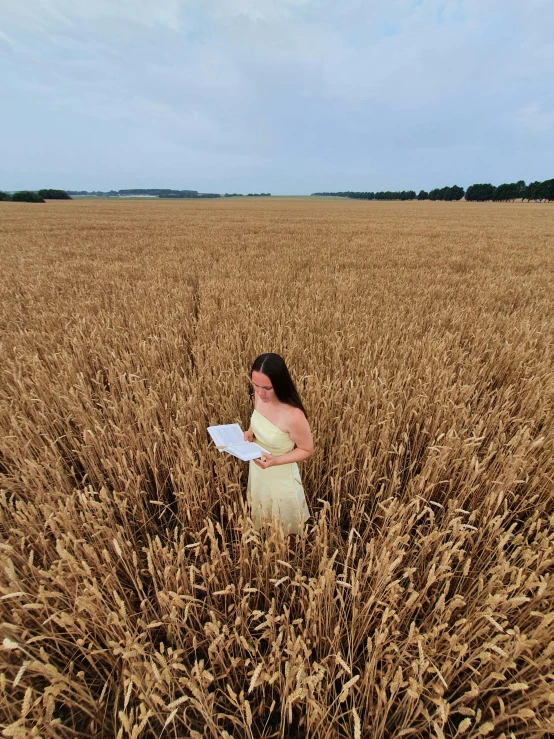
280, 96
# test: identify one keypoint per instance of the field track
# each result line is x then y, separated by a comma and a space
137, 600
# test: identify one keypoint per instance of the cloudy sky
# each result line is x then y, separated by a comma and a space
280, 96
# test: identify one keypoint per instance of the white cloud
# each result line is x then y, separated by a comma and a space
534, 119
287, 80
51, 15
255, 10
5, 39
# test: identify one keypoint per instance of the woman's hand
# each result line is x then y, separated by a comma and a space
268, 460
248, 435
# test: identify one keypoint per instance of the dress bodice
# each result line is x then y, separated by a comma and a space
269, 436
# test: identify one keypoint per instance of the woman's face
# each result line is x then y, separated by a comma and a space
263, 387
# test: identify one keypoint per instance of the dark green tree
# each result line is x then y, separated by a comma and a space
507, 191
26, 196
54, 194
480, 192
455, 192
532, 191
546, 190
4, 196
423, 195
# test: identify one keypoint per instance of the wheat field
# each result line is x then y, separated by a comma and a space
138, 600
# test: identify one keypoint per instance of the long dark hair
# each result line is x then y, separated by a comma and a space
273, 365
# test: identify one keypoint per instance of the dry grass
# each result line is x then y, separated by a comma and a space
138, 601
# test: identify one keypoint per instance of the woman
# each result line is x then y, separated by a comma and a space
278, 424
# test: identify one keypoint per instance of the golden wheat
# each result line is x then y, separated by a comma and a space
137, 598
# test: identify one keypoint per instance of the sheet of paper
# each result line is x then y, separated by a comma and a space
246, 451
226, 435
231, 437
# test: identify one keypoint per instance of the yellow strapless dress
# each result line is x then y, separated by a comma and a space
276, 492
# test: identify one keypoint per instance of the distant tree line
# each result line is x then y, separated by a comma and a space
193, 197
54, 194
27, 196
161, 193
443, 193
511, 191
479, 193
34, 196
141, 192
385, 195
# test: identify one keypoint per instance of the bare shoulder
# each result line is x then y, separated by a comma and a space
296, 418
299, 430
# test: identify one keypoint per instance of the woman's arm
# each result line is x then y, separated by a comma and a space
297, 455
299, 432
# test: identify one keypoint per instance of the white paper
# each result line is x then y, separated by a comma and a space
226, 435
246, 451
230, 439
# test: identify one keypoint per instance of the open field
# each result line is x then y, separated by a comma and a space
137, 600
